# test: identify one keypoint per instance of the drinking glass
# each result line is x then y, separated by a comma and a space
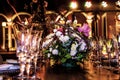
21, 54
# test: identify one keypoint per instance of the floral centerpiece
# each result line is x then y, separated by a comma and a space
67, 45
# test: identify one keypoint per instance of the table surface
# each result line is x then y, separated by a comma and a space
86, 72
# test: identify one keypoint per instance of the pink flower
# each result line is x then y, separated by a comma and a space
85, 29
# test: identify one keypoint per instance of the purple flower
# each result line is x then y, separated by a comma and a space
85, 29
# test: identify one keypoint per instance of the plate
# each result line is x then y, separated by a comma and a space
9, 68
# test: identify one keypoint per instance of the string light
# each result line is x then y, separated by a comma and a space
88, 4
104, 4
118, 3
118, 18
73, 5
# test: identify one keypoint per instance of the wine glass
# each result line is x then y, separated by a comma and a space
109, 46
20, 53
35, 48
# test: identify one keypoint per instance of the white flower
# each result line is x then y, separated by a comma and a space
48, 55
64, 38
50, 49
58, 33
74, 46
46, 43
50, 36
73, 52
61, 38
55, 30
82, 46
74, 49
55, 52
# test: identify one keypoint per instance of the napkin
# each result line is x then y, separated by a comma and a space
5, 66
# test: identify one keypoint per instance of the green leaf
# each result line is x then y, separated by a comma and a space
80, 56
46, 51
63, 60
68, 56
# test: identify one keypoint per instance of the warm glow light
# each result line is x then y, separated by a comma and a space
88, 4
118, 3
4, 24
104, 50
3, 47
118, 17
9, 20
73, 5
104, 4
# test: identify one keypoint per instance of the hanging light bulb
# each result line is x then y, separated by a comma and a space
73, 5
118, 16
104, 4
117, 3
88, 4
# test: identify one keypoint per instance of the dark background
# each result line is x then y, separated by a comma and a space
52, 4
19, 5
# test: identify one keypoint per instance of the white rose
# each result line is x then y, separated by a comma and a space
83, 46
55, 30
61, 38
58, 33
66, 38
73, 52
74, 46
55, 52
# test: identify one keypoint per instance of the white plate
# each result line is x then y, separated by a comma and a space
5, 66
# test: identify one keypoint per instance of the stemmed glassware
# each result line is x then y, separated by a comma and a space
109, 46
35, 48
28, 50
21, 52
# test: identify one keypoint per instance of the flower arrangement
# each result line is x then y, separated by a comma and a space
67, 44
